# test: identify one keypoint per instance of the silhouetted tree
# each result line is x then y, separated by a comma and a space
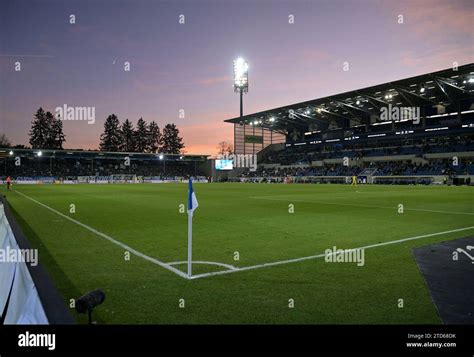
224, 148
127, 134
110, 138
56, 136
154, 137
171, 142
141, 136
4, 142
46, 131
40, 129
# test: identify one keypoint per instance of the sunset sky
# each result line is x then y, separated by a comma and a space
189, 66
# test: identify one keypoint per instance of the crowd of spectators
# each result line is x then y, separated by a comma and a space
305, 154
387, 168
64, 168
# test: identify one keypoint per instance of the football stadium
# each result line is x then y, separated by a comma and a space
354, 208
370, 191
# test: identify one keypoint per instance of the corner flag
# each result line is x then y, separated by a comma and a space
192, 200
192, 205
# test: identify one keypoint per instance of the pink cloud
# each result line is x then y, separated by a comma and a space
442, 57
438, 17
214, 80
315, 55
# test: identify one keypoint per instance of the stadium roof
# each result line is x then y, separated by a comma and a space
447, 87
82, 154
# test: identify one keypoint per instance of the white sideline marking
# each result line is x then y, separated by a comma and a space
228, 266
322, 255
110, 239
356, 205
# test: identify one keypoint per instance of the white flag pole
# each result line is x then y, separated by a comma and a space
190, 243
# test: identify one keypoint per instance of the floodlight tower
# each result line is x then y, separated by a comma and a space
241, 80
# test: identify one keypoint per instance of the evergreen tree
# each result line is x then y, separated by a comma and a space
40, 130
141, 136
172, 143
127, 135
110, 138
154, 137
56, 137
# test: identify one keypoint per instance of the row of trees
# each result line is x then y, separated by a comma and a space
46, 131
144, 138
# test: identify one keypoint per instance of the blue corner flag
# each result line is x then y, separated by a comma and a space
192, 200
192, 205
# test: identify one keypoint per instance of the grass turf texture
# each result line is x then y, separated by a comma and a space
252, 219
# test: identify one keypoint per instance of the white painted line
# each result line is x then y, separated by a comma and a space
357, 205
110, 239
228, 266
259, 266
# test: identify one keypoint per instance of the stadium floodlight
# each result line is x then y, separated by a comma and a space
11, 153
358, 102
161, 157
471, 80
241, 80
272, 119
255, 122
241, 75
422, 89
39, 153
307, 111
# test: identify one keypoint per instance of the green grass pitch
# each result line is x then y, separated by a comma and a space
253, 220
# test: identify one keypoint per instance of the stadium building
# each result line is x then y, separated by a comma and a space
420, 126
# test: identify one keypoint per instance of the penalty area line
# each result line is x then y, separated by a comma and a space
281, 262
110, 239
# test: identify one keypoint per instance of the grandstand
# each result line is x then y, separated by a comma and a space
49, 166
414, 130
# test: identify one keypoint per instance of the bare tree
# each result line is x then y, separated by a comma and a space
4, 142
225, 148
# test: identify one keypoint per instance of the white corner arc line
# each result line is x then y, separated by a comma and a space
110, 239
228, 266
259, 266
